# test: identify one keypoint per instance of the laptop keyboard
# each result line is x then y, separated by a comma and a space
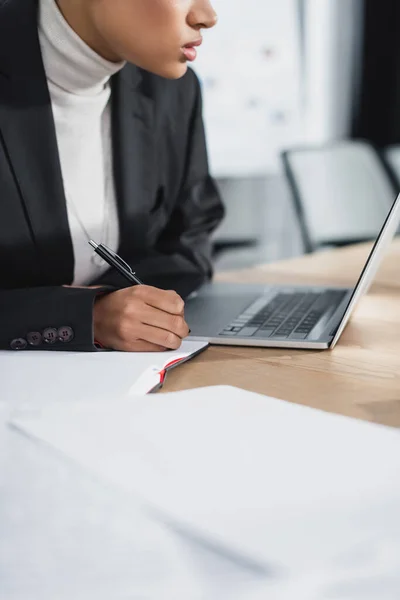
291, 315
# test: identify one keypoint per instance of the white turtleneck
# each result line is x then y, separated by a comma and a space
79, 84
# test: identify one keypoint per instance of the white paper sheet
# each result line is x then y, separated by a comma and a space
288, 487
84, 375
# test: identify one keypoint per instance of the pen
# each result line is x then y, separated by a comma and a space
116, 262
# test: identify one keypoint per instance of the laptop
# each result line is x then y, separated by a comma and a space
277, 316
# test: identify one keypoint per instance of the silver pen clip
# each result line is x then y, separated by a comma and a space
119, 259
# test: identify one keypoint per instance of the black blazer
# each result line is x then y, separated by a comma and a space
168, 204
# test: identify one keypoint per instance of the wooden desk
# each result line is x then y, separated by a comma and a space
359, 378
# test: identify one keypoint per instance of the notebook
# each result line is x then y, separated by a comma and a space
280, 487
88, 375
153, 377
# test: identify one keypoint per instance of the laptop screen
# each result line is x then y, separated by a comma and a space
373, 263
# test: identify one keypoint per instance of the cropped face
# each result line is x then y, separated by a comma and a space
160, 36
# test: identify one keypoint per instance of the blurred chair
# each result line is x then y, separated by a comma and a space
392, 157
240, 229
341, 192
260, 226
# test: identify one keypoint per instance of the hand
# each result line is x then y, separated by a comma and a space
140, 319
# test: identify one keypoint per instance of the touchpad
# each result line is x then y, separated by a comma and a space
207, 315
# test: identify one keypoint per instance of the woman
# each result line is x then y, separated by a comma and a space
101, 137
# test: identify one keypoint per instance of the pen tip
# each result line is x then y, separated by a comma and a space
93, 244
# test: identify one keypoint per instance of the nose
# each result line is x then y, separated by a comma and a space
202, 15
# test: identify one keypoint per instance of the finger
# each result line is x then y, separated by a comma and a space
143, 346
158, 318
165, 300
160, 337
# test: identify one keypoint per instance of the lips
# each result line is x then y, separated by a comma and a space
190, 53
193, 44
189, 50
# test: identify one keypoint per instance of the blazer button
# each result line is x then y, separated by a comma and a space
50, 335
34, 338
18, 344
65, 334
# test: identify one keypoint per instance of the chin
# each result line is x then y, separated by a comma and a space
174, 71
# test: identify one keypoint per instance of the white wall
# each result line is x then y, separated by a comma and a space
250, 69
258, 103
262, 93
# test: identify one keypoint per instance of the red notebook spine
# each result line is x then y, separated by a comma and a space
171, 364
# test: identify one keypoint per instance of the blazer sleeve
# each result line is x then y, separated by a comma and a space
48, 318
182, 257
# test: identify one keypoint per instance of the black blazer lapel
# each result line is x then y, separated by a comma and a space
134, 155
28, 133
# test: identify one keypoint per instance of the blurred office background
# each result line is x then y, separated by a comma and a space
297, 74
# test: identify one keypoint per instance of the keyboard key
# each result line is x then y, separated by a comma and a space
272, 323
290, 325
266, 333
280, 334
298, 336
248, 331
284, 329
